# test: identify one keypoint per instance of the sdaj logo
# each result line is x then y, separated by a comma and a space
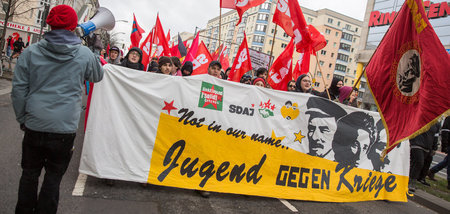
211, 96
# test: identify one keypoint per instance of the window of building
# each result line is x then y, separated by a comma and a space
259, 39
340, 67
40, 12
328, 75
337, 34
356, 29
263, 16
332, 54
316, 84
334, 44
354, 39
261, 27
354, 72
330, 20
323, 52
327, 31
353, 82
285, 35
352, 50
321, 63
344, 46
350, 60
342, 57
265, 6
345, 81
257, 48
310, 19
348, 27
270, 42
273, 31
283, 45
347, 36
329, 65
339, 23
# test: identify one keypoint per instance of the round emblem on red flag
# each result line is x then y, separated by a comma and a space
406, 73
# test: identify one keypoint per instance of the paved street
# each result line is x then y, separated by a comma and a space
129, 197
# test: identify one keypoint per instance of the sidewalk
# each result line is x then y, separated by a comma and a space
430, 201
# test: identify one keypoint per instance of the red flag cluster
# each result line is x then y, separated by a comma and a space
242, 63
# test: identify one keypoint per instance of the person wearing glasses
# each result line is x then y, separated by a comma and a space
133, 59
291, 86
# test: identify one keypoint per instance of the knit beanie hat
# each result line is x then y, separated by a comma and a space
259, 80
164, 60
62, 17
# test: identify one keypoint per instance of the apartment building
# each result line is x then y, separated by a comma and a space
336, 59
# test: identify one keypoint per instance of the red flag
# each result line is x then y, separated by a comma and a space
174, 51
281, 71
217, 53
230, 4
302, 66
161, 41
136, 33
289, 16
107, 50
225, 63
146, 48
242, 63
202, 60
192, 53
222, 53
168, 36
409, 75
244, 5
317, 40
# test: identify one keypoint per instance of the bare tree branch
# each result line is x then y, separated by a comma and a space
26, 11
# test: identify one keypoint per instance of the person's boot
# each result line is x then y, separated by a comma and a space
412, 185
431, 175
424, 182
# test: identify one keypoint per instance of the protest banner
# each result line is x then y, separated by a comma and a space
205, 133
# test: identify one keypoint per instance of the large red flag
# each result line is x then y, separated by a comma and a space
240, 5
242, 63
409, 75
202, 60
289, 16
136, 33
161, 41
281, 71
192, 53
146, 48
168, 36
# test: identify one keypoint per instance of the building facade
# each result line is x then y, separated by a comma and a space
336, 59
31, 15
378, 17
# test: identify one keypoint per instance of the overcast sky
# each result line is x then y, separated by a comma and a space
185, 15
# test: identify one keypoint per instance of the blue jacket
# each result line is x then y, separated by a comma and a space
48, 82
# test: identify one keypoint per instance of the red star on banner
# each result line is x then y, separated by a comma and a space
169, 106
219, 97
267, 104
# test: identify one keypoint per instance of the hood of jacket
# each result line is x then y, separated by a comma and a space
60, 45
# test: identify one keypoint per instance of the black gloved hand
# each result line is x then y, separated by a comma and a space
22, 127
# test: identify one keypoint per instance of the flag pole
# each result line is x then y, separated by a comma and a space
271, 49
321, 74
220, 20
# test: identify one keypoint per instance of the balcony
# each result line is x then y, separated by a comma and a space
341, 62
257, 44
340, 73
262, 22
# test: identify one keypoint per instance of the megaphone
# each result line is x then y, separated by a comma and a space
103, 19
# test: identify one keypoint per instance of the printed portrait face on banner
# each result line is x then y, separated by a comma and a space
408, 73
322, 126
353, 139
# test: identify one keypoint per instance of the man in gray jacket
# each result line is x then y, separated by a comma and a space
46, 95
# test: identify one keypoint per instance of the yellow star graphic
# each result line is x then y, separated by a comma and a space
277, 138
298, 136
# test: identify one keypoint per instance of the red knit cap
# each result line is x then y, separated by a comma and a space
62, 17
